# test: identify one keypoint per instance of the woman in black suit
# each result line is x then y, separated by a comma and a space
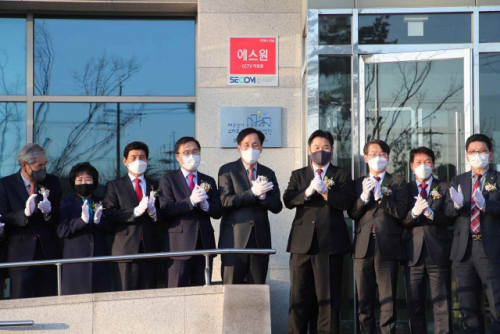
82, 227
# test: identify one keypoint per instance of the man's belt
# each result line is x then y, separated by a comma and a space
476, 237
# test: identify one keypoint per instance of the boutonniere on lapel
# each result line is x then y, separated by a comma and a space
329, 182
490, 187
386, 191
96, 205
262, 178
435, 193
44, 191
206, 186
154, 192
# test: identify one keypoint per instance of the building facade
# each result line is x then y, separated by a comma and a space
84, 78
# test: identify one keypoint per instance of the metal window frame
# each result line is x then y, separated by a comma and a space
30, 98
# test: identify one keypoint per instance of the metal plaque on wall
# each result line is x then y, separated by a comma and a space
235, 119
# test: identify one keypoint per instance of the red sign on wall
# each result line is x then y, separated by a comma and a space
253, 61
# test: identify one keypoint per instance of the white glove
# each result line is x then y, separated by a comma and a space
311, 189
142, 207
457, 197
368, 186
260, 188
204, 203
86, 212
44, 205
30, 205
98, 215
198, 195
420, 206
377, 194
319, 185
151, 204
479, 198
429, 213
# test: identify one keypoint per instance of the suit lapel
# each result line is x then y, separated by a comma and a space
127, 184
20, 188
387, 181
331, 171
466, 187
182, 183
491, 178
242, 172
434, 184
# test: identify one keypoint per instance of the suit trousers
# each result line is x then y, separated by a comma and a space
316, 283
190, 272
238, 267
372, 271
135, 275
473, 274
37, 281
439, 278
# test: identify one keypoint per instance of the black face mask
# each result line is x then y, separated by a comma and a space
84, 190
321, 157
38, 175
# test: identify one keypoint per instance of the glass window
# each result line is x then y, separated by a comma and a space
335, 105
109, 57
334, 29
77, 132
489, 27
12, 135
415, 29
489, 100
12, 56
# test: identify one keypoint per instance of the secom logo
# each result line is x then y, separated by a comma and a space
242, 80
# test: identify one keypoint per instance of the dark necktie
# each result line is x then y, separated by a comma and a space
423, 192
250, 174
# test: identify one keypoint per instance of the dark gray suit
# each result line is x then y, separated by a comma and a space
376, 259
427, 246
245, 223
477, 263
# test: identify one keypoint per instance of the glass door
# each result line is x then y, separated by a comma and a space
417, 99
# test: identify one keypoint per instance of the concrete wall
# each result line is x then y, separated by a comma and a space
209, 310
218, 19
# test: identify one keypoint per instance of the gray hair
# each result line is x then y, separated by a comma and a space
29, 153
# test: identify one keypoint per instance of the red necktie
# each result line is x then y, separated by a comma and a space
474, 209
423, 192
138, 190
32, 188
319, 171
191, 182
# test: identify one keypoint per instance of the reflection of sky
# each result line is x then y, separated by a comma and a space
13, 55
489, 103
439, 28
165, 48
489, 26
12, 135
154, 124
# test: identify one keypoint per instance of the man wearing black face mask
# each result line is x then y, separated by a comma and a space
29, 205
83, 228
319, 238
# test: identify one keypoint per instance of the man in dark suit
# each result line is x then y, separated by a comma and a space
188, 199
133, 214
29, 205
319, 238
247, 190
427, 245
474, 201
378, 246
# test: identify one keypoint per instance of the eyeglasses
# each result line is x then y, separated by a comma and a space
195, 152
484, 151
382, 155
39, 166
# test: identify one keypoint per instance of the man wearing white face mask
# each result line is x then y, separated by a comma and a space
427, 245
188, 199
378, 246
248, 190
132, 208
475, 203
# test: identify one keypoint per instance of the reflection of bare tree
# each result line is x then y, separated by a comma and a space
393, 126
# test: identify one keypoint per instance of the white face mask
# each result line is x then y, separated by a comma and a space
377, 164
191, 162
423, 171
479, 161
138, 167
251, 155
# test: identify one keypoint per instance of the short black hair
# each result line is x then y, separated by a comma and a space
249, 131
320, 134
136, 145
422, 150
183, 141
479, 137
80, 168
383, 145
